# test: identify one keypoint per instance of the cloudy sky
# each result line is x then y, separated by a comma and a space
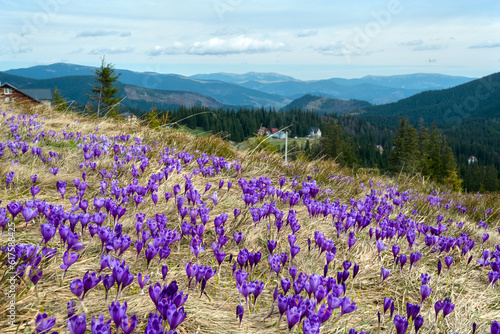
313, 39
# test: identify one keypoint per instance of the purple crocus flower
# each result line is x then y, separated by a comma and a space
54, 170
495, 327
418, 322
283, 302
245, 289
238, 236
384, 273
387, 304
355, 270
14, 208
48, 231
271, 245
118, 312
448, 261
9, 177
351, 240
380, 246
293, 272
207, 188
425, 291
285, 285
400, 324
34, 191
61, 187
128, 324
395, 251
438, 306
214, 198
44, 323
164, 272
175, 317
89, 282
142, 280
219, 256
100, 326
347, 306
414, 258
448, 307
68, 260
76, 286
77, 324
108, 281
293, 317
29, 214
239, 312
275, 263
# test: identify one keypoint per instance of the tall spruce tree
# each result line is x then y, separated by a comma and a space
335, 144
58, 101
104, 91
404, 156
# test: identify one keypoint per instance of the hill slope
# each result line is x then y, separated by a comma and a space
143, 242
325, 105
478, 98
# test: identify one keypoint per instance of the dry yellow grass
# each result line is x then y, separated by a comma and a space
466, 285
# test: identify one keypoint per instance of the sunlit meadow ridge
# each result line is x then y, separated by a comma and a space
112, 227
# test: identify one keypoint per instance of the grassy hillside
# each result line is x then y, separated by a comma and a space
300, 204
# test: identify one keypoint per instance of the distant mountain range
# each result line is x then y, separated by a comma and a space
225, 93
263, 89
477, 98
375, 89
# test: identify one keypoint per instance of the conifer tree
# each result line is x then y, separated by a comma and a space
404, 156
104, 91
58, 101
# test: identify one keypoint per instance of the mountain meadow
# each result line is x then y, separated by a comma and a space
111, 226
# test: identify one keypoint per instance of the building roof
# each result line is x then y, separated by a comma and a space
313, 129
36, 94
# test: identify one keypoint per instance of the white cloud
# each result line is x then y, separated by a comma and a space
102, 51
307, 33
412, 43
487, 44
102, 33
220, 46
341, 49
431, 47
